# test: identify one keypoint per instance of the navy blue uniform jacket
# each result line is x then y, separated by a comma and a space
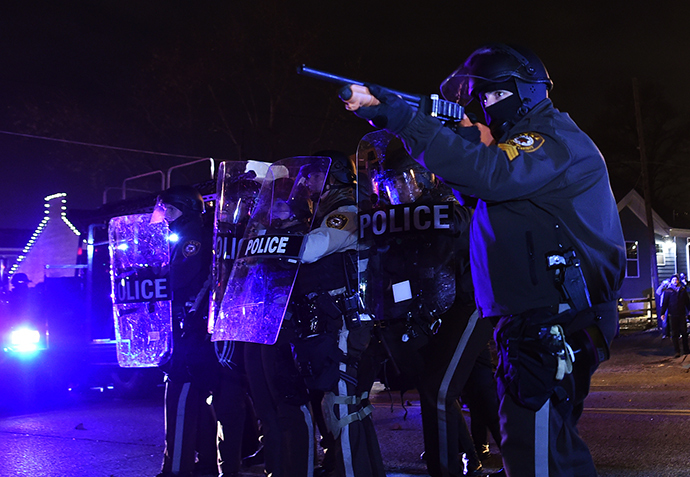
544, 187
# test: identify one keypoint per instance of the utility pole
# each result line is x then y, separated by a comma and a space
647, 189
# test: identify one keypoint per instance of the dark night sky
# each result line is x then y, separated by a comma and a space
92, 52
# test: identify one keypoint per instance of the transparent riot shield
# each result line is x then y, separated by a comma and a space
406, 224
140, 262
267, 261
237, 192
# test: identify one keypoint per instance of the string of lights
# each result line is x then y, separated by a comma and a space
41, 227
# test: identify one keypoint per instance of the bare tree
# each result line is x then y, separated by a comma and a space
667, 139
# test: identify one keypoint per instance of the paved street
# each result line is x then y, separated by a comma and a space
634, 422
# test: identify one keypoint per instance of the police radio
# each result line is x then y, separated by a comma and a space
569, 279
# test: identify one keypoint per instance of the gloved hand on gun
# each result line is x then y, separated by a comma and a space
386, 110
382, 108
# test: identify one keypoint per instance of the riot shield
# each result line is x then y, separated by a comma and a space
267, 261
237, 191
406, 224
140, 262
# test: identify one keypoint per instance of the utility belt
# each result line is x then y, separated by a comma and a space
540, 347
318, 319
189, 320
416, 326
323, 312
419, 311
598, 321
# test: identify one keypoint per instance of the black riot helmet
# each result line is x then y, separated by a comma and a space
493, 64
20, 279
342, 168
186, 199
402, 180
498, 66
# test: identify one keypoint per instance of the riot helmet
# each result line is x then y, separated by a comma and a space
239, 198
20, 280
338, 185
500, 67
186, 199
342, 170
399, 187
401, 180
290, 204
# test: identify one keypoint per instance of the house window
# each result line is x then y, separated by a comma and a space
632, 269
660, 256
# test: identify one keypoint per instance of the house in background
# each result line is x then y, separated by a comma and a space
671, 248
53, 247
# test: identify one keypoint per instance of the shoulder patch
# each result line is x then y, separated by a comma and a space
336, 221
190, 247
527, 142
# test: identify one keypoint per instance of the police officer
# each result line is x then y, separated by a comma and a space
332, 335
434, 336
280, 396
192, 370
281, 402
547, 248
238, 434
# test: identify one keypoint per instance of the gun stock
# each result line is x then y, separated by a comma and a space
356, 95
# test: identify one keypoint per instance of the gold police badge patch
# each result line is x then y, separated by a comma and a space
191, 247
336, 221
527, 142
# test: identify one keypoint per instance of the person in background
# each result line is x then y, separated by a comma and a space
675, 305
661, 322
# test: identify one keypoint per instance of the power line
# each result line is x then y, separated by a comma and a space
79, 143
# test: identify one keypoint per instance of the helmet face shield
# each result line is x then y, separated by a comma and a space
158, 214
399, 187
164, 213
456, 87
490, 65
462, 87
187, 199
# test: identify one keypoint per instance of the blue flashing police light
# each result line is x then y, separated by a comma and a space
24, 340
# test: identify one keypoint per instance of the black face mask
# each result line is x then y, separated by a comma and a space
502, 115
504, 110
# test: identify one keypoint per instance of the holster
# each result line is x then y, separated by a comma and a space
531, 354
317, 359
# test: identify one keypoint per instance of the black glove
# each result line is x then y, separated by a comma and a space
393, 114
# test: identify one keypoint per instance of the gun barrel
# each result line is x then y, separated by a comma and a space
412, 99
440, 108
325, 76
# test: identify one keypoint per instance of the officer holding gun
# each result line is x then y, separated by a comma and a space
547, 249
